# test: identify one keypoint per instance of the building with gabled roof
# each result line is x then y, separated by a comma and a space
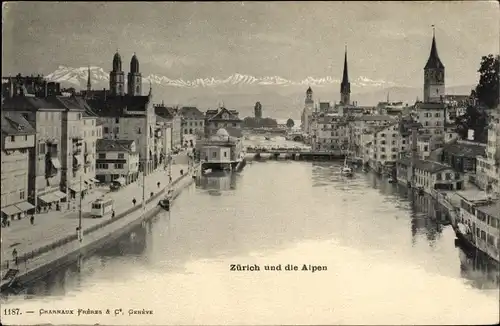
18, 140
117, 160
222, 118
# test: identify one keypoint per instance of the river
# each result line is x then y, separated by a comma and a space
386, 262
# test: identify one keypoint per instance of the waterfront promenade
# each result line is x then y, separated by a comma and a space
53, 226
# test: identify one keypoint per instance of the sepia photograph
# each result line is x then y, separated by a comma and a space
250, 163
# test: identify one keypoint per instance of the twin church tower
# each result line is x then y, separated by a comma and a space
434, 80
117, 77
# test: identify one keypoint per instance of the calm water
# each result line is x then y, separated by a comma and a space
387, 263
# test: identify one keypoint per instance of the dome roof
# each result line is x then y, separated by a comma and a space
134, 64
117, 62
222, 133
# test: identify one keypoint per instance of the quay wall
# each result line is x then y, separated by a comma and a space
95, 237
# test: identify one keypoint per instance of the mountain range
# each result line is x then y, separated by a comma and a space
280, 97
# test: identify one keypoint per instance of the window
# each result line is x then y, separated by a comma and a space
21, 194
448, 176
105, 130
234, 124
225, 154
436, 115
382, 157
12, 138
393, 142
439, 177
214, 154
117, 120
102, 155
26, 137
117, 130
121, 155
118, 165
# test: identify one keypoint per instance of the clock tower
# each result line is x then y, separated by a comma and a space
434, 87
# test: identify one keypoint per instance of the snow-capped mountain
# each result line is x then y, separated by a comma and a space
99, 77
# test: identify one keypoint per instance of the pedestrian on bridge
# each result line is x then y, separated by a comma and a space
134, 201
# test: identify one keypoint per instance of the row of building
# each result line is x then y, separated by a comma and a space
418, 144
58, 145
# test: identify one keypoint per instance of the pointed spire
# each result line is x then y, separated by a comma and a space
89, 85
434, 62
345, 76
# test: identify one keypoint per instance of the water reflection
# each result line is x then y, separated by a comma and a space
365, 220
220, 180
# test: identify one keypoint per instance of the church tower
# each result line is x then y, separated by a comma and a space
434, 88
134, 79
345, 86
309, 98
117, 77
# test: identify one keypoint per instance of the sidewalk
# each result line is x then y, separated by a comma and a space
62, 251
50, 227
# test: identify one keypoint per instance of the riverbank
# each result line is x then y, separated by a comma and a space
94, 236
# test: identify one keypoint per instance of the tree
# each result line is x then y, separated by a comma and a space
475, 119
290, 123
487, 90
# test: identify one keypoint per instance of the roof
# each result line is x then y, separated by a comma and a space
473, 195
114, 145
71, 103
492, 209
369, 117
425, 165
217, 115
115, 106
165, 111
434, 62
469, 150
13, 123
30, 103
430, 106
191, 112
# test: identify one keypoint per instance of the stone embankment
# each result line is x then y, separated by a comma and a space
69, 248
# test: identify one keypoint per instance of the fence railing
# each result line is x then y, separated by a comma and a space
74, 237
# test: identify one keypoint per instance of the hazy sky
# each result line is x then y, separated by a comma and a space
389, 41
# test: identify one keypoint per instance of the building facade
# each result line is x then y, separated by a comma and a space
388, 142
44, 176
18, 140
193, 120
488, 166
222, 118
170, 115
117, 160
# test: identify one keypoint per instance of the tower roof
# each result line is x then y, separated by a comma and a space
345, 75
117, 62
134, 64
434, 62
309, 90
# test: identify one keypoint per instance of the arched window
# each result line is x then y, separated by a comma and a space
190, 131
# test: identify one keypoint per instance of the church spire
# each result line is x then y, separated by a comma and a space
434, 62
89, 84
345, 76
345, 86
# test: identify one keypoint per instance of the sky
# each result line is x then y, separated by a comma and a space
386, 40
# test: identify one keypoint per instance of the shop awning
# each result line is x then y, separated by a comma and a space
59, 194
48, 198
120, 180
24, 206
55, 162
10, 210
77, 187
